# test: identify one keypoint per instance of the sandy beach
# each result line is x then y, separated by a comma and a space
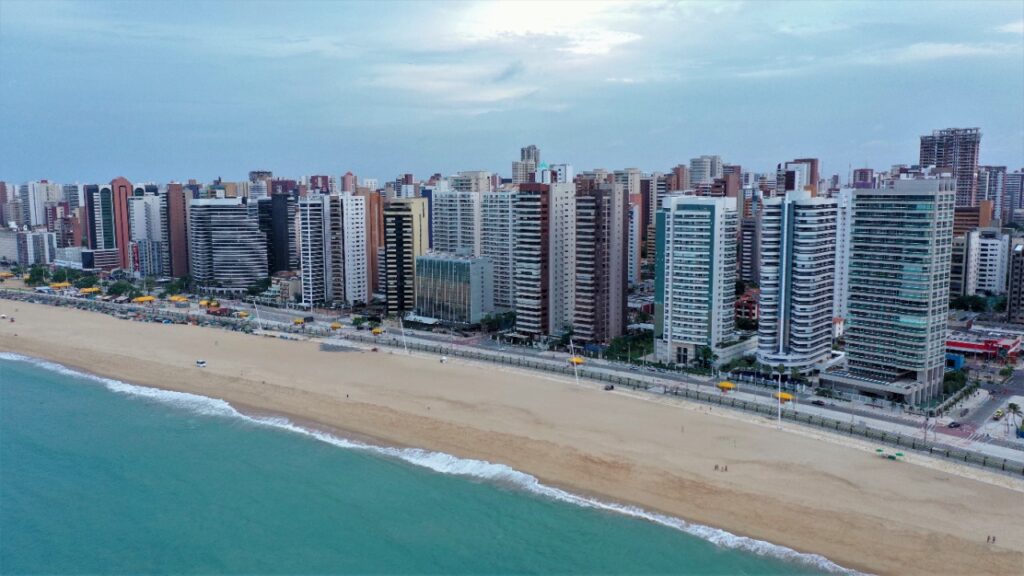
827, 495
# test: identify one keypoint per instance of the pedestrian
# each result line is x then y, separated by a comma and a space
716, 467
993, 539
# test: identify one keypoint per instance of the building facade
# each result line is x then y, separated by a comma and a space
227, 249
496, 244
958, 149
406, 237
798, 248
695, 277
900, 248
453, 288
602, 255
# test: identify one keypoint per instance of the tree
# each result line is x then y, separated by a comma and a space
120, 288
148, 283
1014, 410
259, 287
87, 281
358, 321
704, 356
1006, 371
66, 275
37, 275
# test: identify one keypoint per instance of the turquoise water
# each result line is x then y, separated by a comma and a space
102, 477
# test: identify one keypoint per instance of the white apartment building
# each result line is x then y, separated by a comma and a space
704, 170
455, 219
356, 281
695, 286
563, 257
844, 216
496, 244
798, 247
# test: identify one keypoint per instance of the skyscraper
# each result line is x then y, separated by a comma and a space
121, 190
531, 268
406, 221
227, 249
146, 224
601, 248
899, 261
176, 199
799, 174
276, 217
496, 244
992, 187
704, 170
1015, 282
455, 219
958, 149
798, 247
529, 161
695, 282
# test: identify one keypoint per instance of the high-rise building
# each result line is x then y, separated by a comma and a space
332, 249
957, 149
704, 170
844, 224
314, 248
900, 248
529, 162
992, 187
979, 263
863, 178
227, 249
121, 190
798, 247
496, 244
544, 261
175, 235
1015, 282
967, 218
695, 282
146, 225
601, 257
348, 182
478, 181
455, 221
454, 289
748, 249
634, 239
531, 235
799, 174
374, 206
277, 221
1015, 190
406, 221
562, 279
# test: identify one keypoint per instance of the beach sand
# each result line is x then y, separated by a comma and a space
800, 488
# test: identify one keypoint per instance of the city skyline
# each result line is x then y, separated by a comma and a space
222, 90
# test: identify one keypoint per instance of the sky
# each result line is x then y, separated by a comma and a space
156, 91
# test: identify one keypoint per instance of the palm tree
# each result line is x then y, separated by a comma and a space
1014, 409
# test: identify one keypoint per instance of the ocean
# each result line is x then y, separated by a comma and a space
99, 476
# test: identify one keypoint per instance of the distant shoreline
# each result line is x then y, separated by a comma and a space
785, 488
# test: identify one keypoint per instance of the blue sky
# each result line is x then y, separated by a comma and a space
159, 91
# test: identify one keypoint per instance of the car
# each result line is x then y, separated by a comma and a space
998, 415
200, 363
818, 402
609, 387
953, 425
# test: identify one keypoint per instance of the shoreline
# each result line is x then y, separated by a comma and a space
527, 484
593, 454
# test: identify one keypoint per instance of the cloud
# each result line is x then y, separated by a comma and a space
928, 51
1012, 27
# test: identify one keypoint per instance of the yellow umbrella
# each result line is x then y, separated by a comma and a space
784, 396
726, 386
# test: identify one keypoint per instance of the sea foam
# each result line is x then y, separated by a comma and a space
443, 463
